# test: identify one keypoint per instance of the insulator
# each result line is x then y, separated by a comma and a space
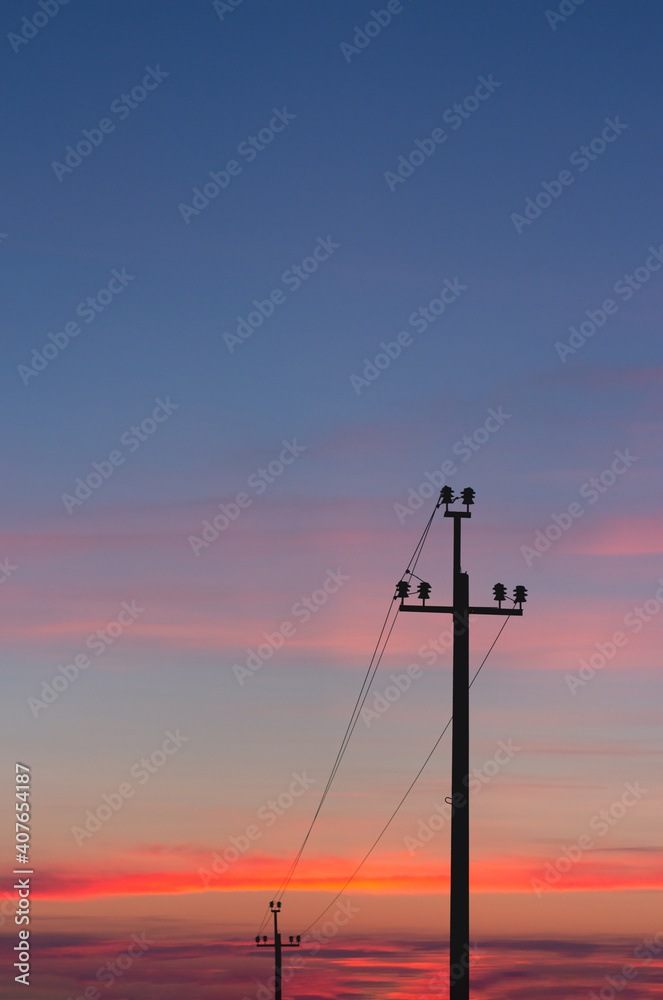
402, 590
499, 590
468, 496
447, 495
520, 595
423, 591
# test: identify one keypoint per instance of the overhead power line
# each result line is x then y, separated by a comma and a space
373, 666
393, 815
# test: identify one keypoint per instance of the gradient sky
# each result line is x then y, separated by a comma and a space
359, 441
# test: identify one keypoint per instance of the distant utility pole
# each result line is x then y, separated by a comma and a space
459, 933
277, 945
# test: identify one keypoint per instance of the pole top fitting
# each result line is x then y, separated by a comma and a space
447, 496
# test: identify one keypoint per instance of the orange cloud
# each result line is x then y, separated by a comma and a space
595, 872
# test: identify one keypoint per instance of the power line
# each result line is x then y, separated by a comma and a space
418, 775
346, 739
365, 688
359, 703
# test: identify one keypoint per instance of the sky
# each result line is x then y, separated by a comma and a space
272, 274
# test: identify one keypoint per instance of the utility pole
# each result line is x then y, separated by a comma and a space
277, 945
459, 932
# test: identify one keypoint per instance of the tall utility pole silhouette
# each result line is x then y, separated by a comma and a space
459, 933
277, 945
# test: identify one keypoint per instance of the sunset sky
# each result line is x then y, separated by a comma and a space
272, 274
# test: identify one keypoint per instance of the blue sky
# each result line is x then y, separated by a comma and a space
321, 196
